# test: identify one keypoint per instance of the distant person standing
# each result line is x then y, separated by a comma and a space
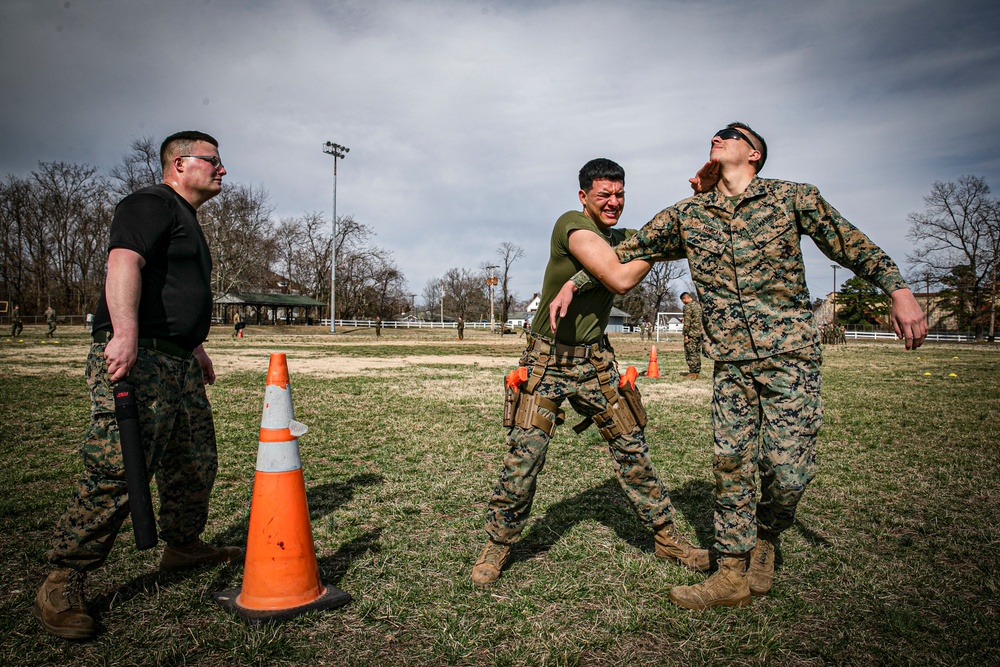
461, 329
378, 326
16, 326
237, 325
152, 318
692, 336
50, 319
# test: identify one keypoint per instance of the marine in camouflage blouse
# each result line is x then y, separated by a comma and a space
746, 261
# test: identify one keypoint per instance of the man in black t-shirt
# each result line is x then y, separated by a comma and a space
151, 320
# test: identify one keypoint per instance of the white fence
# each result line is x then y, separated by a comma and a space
938, 336
409, 324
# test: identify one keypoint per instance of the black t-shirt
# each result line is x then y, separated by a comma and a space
176, 299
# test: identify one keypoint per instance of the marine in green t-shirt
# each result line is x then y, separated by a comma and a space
588, 315
578, 366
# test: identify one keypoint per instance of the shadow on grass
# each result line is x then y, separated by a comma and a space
695, 501
323, 499
607, 504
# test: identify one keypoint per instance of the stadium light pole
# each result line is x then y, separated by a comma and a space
834, 294
337, 151
491, 281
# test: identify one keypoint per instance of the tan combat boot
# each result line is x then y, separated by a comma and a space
670, 544
761, 573
59, 606
195, 553
728, 587
491, 563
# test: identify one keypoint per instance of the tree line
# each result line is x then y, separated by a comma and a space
54, 225
55, 221
957, 239
956, 252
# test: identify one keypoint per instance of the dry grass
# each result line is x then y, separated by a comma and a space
892, 560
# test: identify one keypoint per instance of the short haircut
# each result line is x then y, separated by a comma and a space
687, 294
600, 169
757, 140
181, 142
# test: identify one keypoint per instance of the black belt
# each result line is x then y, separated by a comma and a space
542, 344
158, 344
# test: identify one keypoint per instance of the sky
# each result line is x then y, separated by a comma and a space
467, 122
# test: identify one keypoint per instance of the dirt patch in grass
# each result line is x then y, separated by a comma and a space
69, 357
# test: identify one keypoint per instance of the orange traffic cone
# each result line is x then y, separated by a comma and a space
653, 370
280, 575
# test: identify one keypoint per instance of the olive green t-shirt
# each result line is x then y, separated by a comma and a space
588, 315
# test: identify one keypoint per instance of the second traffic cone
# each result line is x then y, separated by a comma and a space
653, 370
280, 575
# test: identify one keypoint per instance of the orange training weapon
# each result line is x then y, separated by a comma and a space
516, 377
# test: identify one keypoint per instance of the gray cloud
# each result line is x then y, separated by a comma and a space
467, 122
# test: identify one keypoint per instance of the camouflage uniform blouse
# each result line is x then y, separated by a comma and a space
746, 262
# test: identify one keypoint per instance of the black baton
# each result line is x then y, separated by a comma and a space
140, 503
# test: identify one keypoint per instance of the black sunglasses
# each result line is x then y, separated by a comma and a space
730, 133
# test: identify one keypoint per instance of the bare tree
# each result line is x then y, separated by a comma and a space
317, 251
73, 217
368, 281
508, 253
138, 169
655, 292
954, 231
464, 292
432, 295
289, 242
16, 209
238, 228
659, 284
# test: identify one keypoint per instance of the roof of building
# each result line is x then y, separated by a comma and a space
268, 299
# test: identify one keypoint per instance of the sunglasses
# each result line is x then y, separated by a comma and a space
730, 133
211, 159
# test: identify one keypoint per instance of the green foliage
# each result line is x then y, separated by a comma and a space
958, 298
861, 303
892, 560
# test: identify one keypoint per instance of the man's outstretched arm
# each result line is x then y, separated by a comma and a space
601, 261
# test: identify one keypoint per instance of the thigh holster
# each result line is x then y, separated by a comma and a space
623, 415
527, 414
521, 405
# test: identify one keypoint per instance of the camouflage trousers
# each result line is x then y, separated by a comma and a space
572, 379
692, 353
765, 415
178, 436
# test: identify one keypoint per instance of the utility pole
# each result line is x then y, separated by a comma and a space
337, 151
491, 281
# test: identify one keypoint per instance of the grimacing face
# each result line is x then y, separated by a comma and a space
604, 202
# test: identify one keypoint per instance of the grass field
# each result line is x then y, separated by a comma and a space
893, 559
